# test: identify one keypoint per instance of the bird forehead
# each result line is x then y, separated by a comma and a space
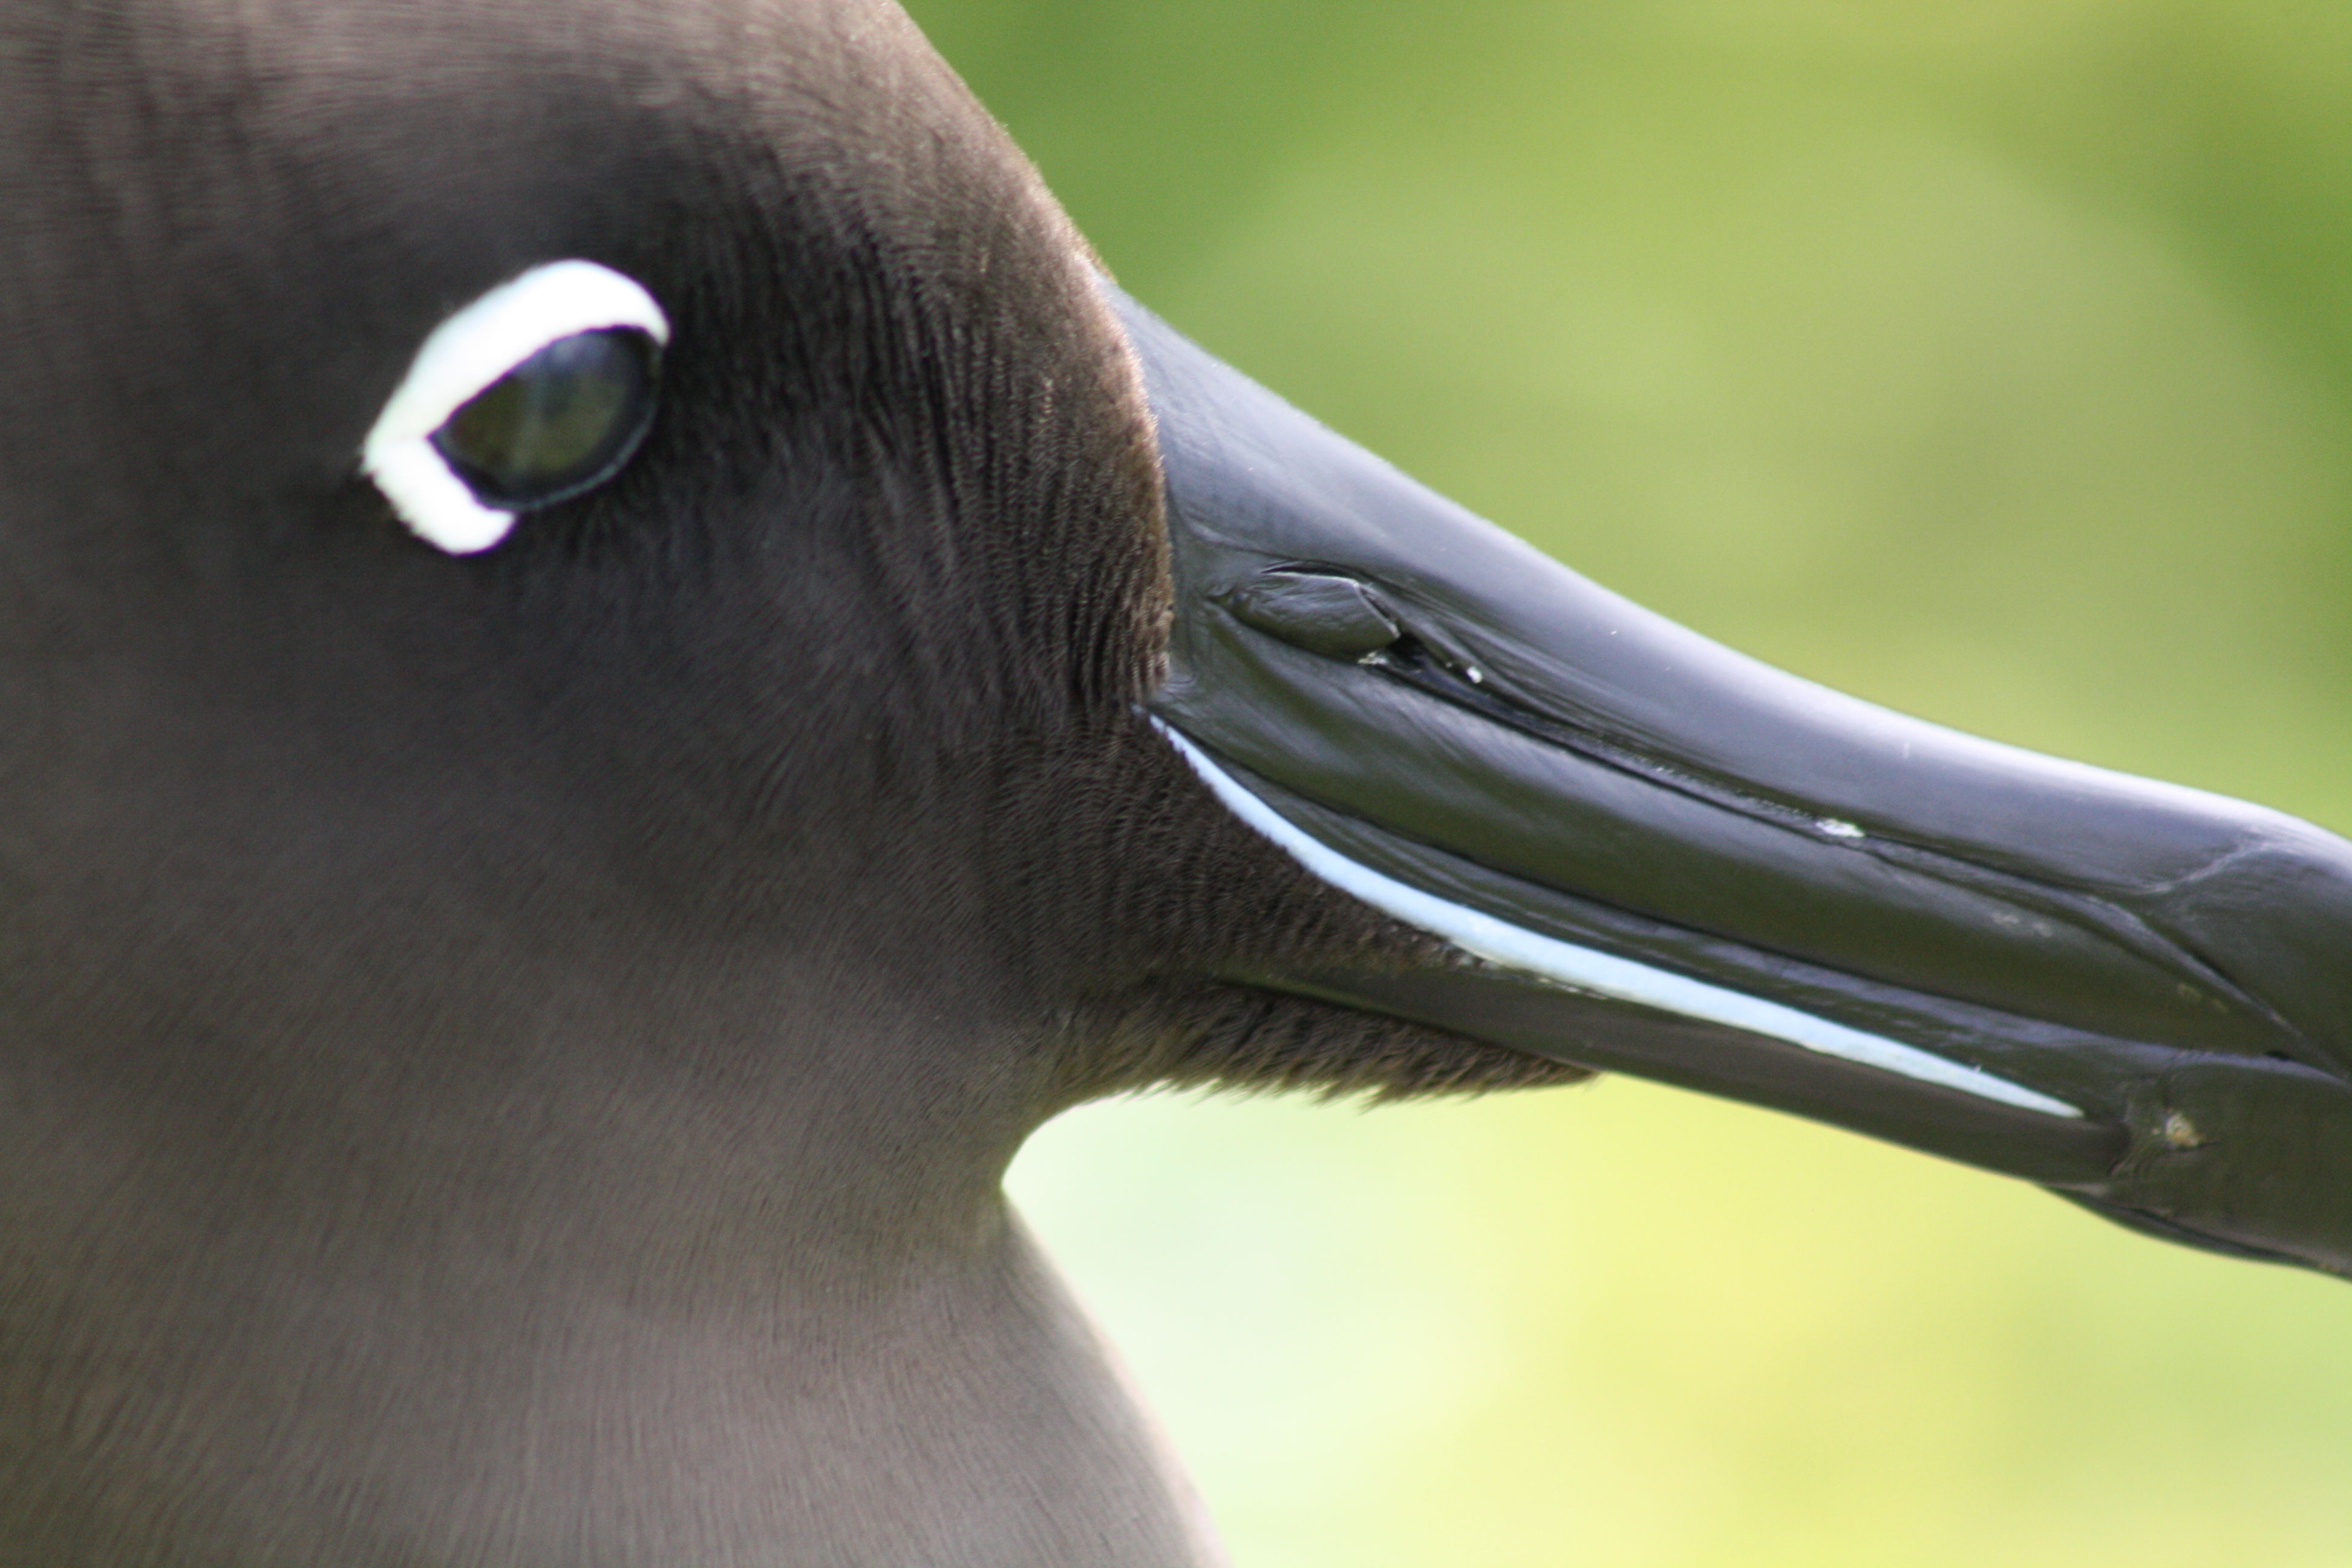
368, 169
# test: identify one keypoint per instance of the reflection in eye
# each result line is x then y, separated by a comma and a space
560, 423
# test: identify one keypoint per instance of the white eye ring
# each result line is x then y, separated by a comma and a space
462, 358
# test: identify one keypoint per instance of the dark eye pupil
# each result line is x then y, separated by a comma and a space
561, 422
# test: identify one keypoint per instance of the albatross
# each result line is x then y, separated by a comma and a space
625, 664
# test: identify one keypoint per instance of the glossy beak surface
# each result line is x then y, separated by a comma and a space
1655, 856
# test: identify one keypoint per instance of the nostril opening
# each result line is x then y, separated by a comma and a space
1336, 616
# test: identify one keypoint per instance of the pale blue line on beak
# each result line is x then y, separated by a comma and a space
1601, 974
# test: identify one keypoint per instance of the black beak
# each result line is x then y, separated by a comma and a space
1658, 856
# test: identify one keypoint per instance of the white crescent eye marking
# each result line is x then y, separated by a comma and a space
460, 359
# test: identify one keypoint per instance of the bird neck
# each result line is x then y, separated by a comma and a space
551, 1286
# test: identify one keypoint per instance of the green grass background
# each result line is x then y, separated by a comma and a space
1990, 359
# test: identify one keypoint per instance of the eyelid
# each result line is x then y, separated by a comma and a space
461, 358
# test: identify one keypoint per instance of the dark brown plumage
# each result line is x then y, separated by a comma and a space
508, 1059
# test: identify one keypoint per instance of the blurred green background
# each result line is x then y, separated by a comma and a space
1990, 360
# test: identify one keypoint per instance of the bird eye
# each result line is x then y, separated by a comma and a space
537, 392
562, 422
